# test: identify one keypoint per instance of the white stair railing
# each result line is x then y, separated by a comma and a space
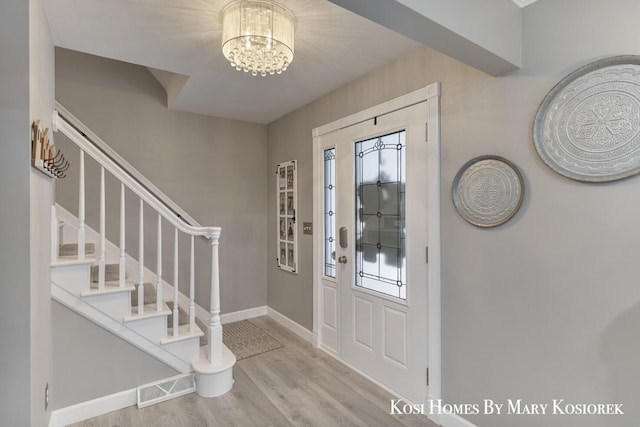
141, 261
81, 219
176, 314
127, 181
121, 264
215, 327
101, 259
159, 300
192, 301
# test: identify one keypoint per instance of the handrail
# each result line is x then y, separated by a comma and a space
120, 161
61, 124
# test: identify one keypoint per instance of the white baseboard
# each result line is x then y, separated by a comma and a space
447, 420
450, 420
294, 327
237, 316
96, 407
92, 408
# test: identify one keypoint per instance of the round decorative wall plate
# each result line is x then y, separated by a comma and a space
588, 126
488, 191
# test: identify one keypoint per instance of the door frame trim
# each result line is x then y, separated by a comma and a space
430, 94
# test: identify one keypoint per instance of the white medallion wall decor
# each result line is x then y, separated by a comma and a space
588, 126
488, 191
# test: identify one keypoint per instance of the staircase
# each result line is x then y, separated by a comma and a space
99, 280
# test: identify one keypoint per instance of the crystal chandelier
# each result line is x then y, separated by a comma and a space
257, 36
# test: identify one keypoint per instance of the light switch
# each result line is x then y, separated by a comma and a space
307, 228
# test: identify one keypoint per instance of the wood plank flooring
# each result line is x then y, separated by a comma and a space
296, 385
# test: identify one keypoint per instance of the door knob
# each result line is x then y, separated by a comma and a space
342, 259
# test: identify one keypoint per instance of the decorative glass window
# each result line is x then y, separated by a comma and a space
286, 177
380, 263
330, 212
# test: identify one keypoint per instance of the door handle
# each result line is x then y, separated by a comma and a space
344, 240
342, 259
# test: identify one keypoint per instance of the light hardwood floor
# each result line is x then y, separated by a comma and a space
296, 385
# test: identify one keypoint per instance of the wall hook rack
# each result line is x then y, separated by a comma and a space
45, 157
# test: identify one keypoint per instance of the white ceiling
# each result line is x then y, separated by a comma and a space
179, 41
332, 47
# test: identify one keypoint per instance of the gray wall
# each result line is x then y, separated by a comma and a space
290, 138
41, 86
14, 214
547, 305
108, 365
213, 168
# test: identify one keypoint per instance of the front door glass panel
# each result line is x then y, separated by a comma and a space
380, 261
329, 212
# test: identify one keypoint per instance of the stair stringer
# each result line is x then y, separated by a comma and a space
120, 329
112, 253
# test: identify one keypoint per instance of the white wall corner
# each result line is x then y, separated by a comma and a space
237, 316
294, 327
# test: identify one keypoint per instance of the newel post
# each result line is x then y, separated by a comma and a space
215, 328
214, 375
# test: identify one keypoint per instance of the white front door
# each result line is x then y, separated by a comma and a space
373, 287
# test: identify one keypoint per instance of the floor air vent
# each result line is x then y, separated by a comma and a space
166, 389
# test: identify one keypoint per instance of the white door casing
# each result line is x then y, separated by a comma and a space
386, 338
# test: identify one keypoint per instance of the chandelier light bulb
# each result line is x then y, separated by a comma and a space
257, 36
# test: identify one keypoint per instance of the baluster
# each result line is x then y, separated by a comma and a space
55, 233
159, 267
141, 261
101, 261
176, 312
192, 294
81, 230
215, 328
121, 271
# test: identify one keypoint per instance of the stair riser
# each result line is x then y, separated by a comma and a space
153, 328
74, 278
150, 295
188, 349
115, 305
111, 272
71, 249
183, 317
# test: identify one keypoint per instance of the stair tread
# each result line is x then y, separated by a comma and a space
183, 334
113, 284
109, 288
150, 310
71, 260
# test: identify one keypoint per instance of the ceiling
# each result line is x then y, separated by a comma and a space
524, 3
332, 47
179, 40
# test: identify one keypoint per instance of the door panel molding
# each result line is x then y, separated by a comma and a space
363, 322
394, 347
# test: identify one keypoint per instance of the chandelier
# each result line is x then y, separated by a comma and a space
257, 36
